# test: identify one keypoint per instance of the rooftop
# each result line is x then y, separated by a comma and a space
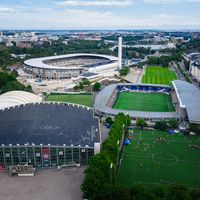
14, 98
40, 62
54, 124
189, 98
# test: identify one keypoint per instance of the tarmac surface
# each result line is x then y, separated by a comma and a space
62, 184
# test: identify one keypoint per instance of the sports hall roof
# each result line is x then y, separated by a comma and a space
14, 98
49, 123
189, 98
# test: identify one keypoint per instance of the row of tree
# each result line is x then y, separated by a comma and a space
164, 60
101, 172
8, 82
85, 84
140, 192
50, 49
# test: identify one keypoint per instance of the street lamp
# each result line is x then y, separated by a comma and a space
117, 150
111, 166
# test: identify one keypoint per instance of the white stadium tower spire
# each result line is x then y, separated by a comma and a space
120, 52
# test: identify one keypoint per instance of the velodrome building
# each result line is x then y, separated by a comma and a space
68, 66
45, 134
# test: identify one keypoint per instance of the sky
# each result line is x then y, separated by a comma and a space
99, 14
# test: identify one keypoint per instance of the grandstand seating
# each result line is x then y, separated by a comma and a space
144, 88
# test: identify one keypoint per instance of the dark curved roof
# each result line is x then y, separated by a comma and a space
54, 124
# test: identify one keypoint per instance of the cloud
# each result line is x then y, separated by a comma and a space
170, 1
116, 3
4, 9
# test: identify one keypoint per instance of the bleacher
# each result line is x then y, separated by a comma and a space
143, 88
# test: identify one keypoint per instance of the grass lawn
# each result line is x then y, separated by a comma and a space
152, 102
158, 75
152, 163
85, 100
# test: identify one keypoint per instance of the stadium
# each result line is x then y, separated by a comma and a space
68, 66
151, 102
45, 134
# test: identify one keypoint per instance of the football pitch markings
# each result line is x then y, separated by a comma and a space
157, 158
158, 75
138, 101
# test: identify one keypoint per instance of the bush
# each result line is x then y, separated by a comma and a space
97, 87
124, 71
161, 125
109, 121
141, 123
173, 123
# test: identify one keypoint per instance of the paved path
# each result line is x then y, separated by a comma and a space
45, 185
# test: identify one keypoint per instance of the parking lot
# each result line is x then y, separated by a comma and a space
45, 185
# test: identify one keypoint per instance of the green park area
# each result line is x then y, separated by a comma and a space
82, 99
159, 75
155, 158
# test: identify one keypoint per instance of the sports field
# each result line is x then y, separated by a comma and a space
152, 102
157, 158
83, 99
158, 75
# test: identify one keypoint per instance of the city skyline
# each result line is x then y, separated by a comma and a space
100, 14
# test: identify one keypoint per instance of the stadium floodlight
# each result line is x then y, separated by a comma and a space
111, 166
120, 52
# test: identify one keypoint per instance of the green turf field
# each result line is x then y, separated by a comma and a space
85, 100
158, 75
151, 162
152, 102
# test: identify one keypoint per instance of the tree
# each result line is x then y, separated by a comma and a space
141, 122
124, 71
161, 125
14, 73
96, 86
109, 121
173, 123
178, 192
195, 128
195, 194
85, 81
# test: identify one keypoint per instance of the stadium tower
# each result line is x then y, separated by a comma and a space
120, 52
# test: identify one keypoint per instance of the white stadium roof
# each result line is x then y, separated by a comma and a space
39, 62
14, 98
189, 98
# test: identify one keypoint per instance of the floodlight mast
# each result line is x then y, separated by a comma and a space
120, 52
